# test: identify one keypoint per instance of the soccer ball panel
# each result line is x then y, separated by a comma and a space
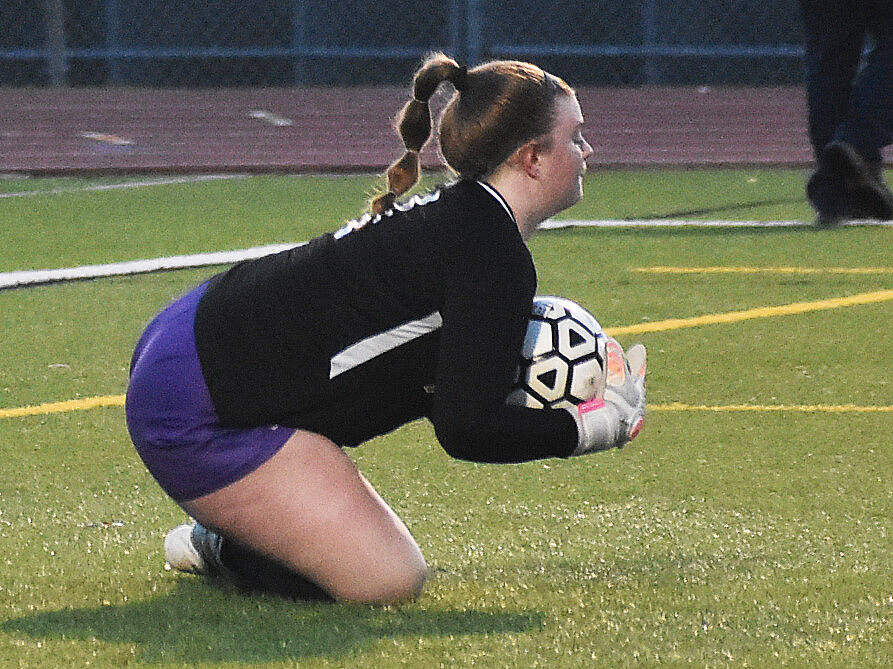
574, 340
561, 358
547, 377
549, 308
538, 339
588, 321
585, 380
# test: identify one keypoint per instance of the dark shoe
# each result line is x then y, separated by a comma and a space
846, 187
825, 193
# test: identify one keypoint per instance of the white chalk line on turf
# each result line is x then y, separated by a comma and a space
118, 401
682, 223
145, 183
18, 279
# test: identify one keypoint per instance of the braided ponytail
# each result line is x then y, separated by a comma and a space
498, 107
414, 125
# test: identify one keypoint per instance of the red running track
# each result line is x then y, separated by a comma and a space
49, 131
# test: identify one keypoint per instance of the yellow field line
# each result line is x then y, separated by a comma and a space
118, 401
760, 312
64, 407
661, 269
657, 326
805, 408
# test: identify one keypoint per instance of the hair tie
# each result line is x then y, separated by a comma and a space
383, 202
460, 80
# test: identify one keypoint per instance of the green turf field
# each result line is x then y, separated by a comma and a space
751, 524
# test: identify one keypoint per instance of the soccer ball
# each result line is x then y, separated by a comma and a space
562, 357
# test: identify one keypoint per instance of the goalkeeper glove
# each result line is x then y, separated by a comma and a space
616, 413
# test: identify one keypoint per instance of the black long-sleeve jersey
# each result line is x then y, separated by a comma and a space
419, 312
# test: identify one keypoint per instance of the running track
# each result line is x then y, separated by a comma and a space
48, 131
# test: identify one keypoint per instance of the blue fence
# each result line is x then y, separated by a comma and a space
316, 42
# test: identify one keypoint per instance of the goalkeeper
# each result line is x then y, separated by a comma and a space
244, 391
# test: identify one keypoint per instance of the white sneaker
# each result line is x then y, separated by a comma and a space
180, 552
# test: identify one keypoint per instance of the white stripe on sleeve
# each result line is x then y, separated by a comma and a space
374, 346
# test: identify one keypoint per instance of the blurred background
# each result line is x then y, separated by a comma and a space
251, 43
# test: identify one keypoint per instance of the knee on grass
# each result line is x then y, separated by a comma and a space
396, 584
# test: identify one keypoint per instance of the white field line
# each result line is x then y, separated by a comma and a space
22, 278
43, 276
167, 181
683, 223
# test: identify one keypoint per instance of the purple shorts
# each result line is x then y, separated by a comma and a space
172, 421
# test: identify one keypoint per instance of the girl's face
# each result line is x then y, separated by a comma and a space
564, 156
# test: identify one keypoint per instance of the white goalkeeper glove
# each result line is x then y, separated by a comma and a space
616, 413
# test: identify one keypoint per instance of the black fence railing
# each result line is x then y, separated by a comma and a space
315, 42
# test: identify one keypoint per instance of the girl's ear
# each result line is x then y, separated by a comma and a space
527, 158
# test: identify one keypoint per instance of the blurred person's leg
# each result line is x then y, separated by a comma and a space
834, 37
849, 114
869, 125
